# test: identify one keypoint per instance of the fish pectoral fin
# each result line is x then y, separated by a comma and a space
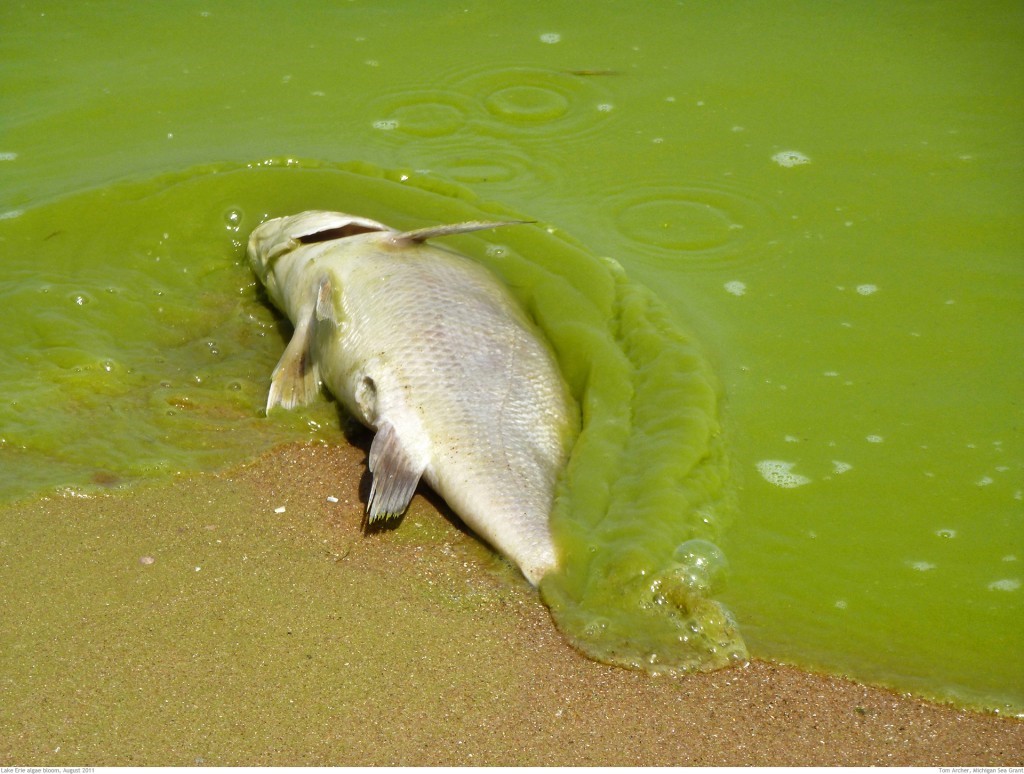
395, 474
430, 232
296, 378
325, 302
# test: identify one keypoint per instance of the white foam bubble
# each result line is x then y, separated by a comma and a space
385, 124
790, 158
780, 473
839, 467
550, 37
867, 290
736, 287
921, 566
1005, 584
8, 156
874, 439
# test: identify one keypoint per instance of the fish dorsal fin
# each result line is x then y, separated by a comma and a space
430, 232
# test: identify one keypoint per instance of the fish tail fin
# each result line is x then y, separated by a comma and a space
430, 232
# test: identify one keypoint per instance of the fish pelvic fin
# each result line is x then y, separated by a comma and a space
430, 232
296, 377
395, 475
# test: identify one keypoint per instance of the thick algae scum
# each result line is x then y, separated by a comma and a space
150, 350
644, 494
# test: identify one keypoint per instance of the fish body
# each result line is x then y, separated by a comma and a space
430, 350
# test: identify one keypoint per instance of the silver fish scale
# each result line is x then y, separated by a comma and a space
431, 351
462, 357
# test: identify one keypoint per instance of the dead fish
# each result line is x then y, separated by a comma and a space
430, 350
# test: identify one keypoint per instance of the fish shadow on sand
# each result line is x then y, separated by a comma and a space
361, 438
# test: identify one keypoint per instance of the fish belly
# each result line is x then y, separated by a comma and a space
434, 346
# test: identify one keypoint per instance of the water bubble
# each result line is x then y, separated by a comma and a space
595, 627
780, 473
946, 533
701, 567
81, 299
790, 158
233, 219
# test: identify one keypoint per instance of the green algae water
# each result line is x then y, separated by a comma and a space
828, 197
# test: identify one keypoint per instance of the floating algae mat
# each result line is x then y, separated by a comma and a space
151, 348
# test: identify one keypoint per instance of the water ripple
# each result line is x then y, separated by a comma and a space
423, 113
486, 163
701, 223
540, 103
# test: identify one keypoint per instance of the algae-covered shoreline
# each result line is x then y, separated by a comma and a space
192, 621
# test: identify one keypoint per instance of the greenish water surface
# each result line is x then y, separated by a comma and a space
827, 196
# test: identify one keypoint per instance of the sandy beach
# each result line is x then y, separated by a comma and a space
245, 618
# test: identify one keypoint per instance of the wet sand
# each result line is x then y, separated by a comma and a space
196, 622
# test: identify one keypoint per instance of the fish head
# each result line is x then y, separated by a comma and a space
276, 238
